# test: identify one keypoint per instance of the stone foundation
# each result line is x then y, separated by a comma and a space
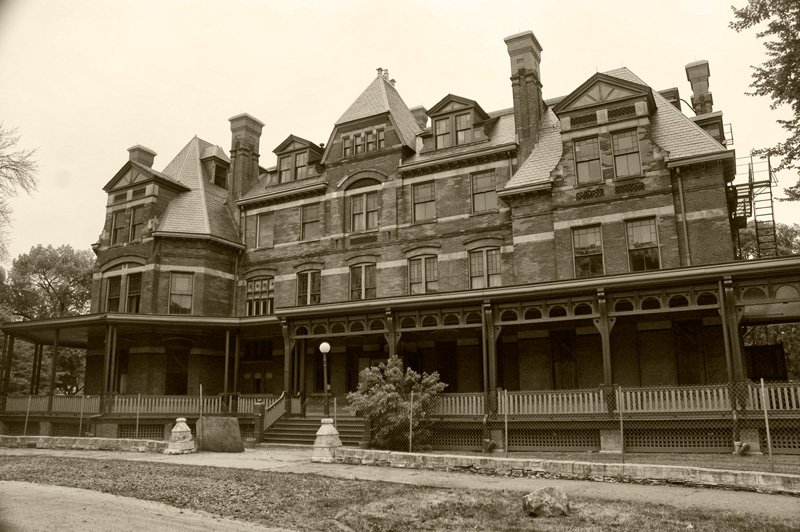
83, 444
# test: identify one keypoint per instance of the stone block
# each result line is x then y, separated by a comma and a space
752, 438
326, 443
546, 502
610, 441
219, 435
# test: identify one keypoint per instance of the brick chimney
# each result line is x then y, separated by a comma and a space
140, 154
420, 114
245, 140
525, 53
697, 74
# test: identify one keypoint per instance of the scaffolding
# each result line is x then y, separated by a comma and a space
754, 208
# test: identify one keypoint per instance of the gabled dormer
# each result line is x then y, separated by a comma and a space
297, 159
455, 121
602, 99
215, 166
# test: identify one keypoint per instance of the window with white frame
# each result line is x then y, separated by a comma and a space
484, 194
643, 245
362, 282
587, 244
113, 292
424, 196
308, 288
587, 160
181, 286
260, 296
364, 211
266, 230
423, 275
626, 153
134, 297
485, 268
310, 222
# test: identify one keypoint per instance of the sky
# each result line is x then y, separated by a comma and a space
84, 80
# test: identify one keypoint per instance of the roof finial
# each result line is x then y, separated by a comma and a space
386, 74
380, 72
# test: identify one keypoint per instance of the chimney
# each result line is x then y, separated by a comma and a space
140, 154
245, 139
525, 53
697, 74
420, 114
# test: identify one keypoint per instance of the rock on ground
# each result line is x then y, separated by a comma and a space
546, 502
219, 434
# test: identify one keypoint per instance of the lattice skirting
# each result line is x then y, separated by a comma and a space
784, 440
711, 440
146, 431
449, 436
532, 439
248, 430
17, 428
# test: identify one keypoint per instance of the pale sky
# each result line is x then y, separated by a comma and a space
85, 80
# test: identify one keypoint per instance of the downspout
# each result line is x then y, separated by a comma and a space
683, 217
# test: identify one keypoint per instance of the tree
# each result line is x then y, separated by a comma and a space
384, 397
17, 172
787, 236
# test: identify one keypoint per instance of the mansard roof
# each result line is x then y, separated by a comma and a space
535, 171
203, 210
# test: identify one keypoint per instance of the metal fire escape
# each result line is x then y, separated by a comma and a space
753, 186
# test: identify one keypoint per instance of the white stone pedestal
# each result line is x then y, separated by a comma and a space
180, 440
326, 443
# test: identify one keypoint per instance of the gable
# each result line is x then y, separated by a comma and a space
132, 177
451, 103
601, 93
293, 143
601, 89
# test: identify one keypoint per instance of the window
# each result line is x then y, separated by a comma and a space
346, 147
300, 165
362, 282
587, 160
180, 293
266, 230
137, 223
134, 293
588, 247
260, 296
643, 245
118, 228
364, 208
285, 168
381, 139
310, 229
442, 133
423, 275
463, 126
484, 194
113, 286
308, 288
370, 141
424, 202
484, 268
626, 154
221, 176
359, 144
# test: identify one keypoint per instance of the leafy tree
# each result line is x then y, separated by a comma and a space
778, 77
384, 397
787, 334
787, 236
17, 172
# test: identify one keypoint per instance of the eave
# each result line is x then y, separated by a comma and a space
198, 236
459, 160
277, 196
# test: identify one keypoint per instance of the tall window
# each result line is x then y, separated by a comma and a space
113, 286
463, 126
484, 195
424, 201
381, 139
260, 296
358, 140
300, 165
442, 133
346, 147
626, 154
364, 208
137, 223
643, 245
587, 160
310, 229
308, 288
134, 293
285, 168
370, 141
484, 268
180, 293
118, 228
423, 275
220, 176
362, 282
266, 230
587, 244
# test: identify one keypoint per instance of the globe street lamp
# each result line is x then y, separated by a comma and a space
325, 348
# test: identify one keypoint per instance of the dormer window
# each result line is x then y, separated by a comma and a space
300, 166
297, 158
285, 169
463, 127
221, 176
442, 132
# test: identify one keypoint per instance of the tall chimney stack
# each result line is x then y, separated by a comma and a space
525, 53
140, 154
697, 74
245, 141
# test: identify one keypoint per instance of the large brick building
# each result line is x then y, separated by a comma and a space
566, 243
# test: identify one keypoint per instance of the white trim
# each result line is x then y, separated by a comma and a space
535, 237
668, 210
703, 215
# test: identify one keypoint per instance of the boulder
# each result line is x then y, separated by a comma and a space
546, 502
219, 435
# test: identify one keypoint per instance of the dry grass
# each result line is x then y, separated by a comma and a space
309, 502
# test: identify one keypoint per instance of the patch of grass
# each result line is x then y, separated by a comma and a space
309, 502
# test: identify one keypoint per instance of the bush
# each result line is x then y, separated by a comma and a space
384, 397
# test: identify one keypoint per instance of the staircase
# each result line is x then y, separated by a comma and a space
303, 430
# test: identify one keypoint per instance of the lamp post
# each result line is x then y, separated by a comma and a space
325, 348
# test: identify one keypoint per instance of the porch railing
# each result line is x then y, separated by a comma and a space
165, 404
246, 403
274, 411
19, 403
711, 398
459, 404
554, 402
88, 404
779, 396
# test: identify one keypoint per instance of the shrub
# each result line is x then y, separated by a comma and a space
384, 397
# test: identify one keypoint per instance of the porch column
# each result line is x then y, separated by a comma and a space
227, 361
731, 319
53, 365
300, 371
106, 368
236, 365
288, 347
392, 336
8, 358
490, 347
112, 381
38, 370
33, 368
604, 324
